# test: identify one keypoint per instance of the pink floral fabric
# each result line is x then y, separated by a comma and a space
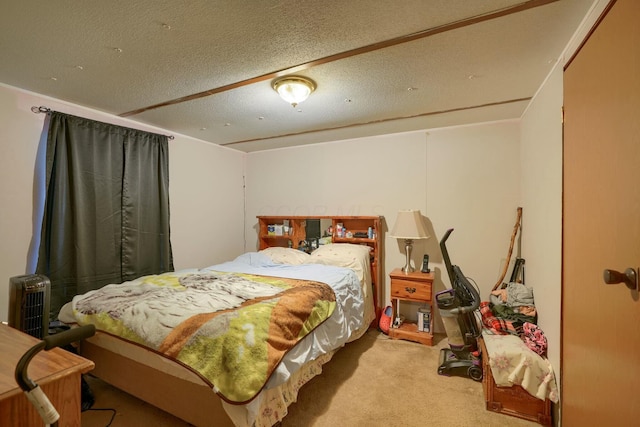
534, 338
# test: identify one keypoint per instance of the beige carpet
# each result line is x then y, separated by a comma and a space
374, 381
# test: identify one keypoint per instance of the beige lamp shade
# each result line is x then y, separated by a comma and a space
409, 225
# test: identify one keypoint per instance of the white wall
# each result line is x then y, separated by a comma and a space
368, 176
474, 188
207, 201
541, 160
206, 189
464, 177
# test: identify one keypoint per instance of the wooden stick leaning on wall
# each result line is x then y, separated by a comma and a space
516, 227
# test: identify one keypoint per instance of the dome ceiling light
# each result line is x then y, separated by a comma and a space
293, 89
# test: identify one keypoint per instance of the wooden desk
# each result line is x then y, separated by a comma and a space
56, 371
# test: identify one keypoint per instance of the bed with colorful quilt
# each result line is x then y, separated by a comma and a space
232, 343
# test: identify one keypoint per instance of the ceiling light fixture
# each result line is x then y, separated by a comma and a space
293, 89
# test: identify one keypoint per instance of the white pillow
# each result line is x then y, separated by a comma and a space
346, 255
285, 255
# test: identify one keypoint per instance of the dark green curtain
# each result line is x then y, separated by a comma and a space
106, 214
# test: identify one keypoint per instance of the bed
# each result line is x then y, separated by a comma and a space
144, 367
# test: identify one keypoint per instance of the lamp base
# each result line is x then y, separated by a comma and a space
408, 245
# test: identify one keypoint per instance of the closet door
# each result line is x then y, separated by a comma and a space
601, 224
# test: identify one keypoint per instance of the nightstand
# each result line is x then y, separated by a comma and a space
415, 287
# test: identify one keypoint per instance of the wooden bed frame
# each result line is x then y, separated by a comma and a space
353, 224
186, 395
191, 401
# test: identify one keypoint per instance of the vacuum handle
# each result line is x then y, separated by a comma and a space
446, 235
32, 390
43, 405
67, 337
61, 339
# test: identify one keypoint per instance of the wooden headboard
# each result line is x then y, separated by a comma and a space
296, 234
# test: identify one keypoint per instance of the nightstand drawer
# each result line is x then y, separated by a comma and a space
410, 289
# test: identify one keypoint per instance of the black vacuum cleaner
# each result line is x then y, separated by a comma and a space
457, 307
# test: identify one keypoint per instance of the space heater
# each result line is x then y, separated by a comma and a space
29, 299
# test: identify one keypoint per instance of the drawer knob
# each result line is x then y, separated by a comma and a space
410, 290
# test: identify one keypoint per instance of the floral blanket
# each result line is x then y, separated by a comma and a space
512, 362
231, 328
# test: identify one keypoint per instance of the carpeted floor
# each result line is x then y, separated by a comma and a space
374, 381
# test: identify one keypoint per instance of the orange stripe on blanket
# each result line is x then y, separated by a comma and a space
178, 337
297, 300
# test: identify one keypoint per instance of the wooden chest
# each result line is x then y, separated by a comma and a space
514, 400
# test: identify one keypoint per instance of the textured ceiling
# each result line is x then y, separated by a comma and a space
380, 66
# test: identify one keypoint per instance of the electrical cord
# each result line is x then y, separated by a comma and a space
474, 283
113, 415
88, 400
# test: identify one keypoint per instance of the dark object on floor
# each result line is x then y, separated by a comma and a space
56, 326
457, 308
87, 398
87, 395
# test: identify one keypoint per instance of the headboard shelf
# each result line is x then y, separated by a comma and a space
272, 232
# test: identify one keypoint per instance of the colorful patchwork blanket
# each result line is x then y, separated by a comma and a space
231, 328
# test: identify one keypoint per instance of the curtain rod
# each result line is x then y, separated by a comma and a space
46, 110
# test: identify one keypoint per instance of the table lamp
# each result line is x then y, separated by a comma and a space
409, 226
